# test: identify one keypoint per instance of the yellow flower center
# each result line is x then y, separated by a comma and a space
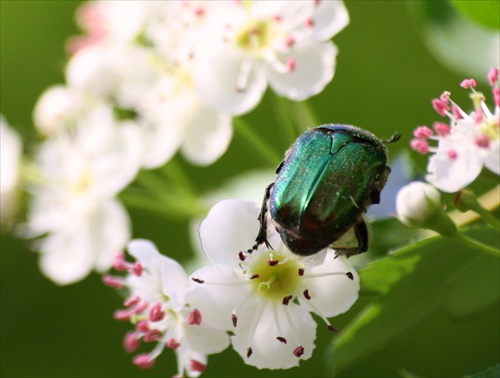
83, 183
275, 275
491, 128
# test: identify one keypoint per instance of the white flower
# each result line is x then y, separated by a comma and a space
417, 202
469, 143
58, 108
247, 186
113, 21
172, 114
10, 149
78, 174
284, 43
175, 28
173, 118
155, 81
156, 305
112, 72
265, 297
419, 205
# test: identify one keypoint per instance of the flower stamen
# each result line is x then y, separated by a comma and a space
114, 282
299, 351
194, 317
287, 300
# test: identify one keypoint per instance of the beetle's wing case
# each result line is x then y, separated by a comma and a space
314, 200
304, 163
344, 190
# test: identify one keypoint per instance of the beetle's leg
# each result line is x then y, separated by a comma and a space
376, 186
262, 235
361, 232
374, 196
351, 243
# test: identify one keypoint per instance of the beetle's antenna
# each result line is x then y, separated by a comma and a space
394, 138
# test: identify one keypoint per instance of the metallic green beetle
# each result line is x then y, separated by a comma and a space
327, 180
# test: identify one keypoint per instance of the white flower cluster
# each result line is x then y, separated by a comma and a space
145, 80
157, 306
77, 176
183, 68
264, 298
465, 145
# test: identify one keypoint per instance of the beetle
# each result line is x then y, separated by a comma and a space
324, 185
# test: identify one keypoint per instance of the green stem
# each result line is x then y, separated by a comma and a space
489, 201
305, 114
171, 199
488, 218
257, 145
153, 181
285, 119
475, 244
175, 173
165, 206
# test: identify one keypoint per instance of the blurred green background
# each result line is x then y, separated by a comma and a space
384, 81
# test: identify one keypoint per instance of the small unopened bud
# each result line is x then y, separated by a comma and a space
466, 200
419, 205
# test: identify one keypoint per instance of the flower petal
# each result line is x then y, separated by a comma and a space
259, 327
492, 161
66, 257
223, 288
106, 70
10, 149
56, 108
170, 274
112, 151
218, 78
230, 227
451, 175
314, 68
143, 251
207, 136
330, 17
205, 339
110, 232
162, 139
174, 282
331, 294
70, 253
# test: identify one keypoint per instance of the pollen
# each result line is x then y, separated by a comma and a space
490, 129
253, 37
275, 281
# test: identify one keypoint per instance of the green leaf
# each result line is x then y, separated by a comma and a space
457, 42
475, 290
380, 276
415, 284
390, 234
485, 13
492, 372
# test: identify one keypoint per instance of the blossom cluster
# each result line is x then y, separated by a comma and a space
156, 306
145, 80
264, 298
184, 68
467, 144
